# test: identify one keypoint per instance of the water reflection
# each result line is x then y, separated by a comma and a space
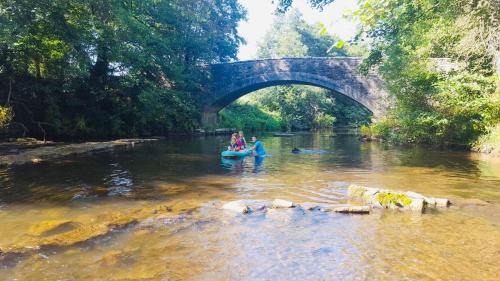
258, 161
234, 165
119, 182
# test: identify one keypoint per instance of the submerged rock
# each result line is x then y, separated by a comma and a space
46, 227
309, 206
159, 221
286, 215
280, 203
62, 233
350, 209
438, 202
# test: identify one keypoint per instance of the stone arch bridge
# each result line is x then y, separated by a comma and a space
230, 81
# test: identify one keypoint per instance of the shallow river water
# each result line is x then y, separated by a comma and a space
92, 217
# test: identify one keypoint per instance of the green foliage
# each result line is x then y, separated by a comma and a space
489, 142
284, 5
305, 107
432, 106
387, 199
324, 120
365, 130
291, 36
300, 107
99, 69
5, 117
249, 117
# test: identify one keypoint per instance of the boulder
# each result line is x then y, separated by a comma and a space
239, 206
371, 191
440, 202
382, 198
280, 203
416, 205
257, 205
416, 195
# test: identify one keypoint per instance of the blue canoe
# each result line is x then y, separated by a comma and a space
234, 154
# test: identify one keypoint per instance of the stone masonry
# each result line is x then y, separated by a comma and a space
230, 81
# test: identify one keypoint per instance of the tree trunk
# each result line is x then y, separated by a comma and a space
496, 60
99, 73
37, 69
7, 103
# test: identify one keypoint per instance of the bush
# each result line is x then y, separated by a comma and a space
6, 116
249, 117
365, 130
461, 109
489, 142
324, 120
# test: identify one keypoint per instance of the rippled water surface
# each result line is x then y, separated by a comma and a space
195, 240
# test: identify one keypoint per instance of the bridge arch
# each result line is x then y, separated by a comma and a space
230, 81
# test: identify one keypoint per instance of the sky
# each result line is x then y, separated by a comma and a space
260, 14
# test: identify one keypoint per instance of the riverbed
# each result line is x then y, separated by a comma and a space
149, 212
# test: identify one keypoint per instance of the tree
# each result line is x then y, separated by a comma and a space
110, 68
291, 36
433, 106
302, 107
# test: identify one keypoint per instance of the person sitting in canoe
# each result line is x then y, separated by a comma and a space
232, 146
258, 147
242, 140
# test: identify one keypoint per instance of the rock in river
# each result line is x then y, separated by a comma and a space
239, 206
280, 203
405, 201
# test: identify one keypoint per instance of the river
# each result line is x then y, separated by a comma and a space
50, 214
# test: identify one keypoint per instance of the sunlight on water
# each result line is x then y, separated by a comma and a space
148, 214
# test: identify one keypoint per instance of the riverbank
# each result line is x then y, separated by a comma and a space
34, 151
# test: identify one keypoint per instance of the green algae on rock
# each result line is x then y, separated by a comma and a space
387, 199
399, 200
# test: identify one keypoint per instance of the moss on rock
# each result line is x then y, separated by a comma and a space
388, 199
